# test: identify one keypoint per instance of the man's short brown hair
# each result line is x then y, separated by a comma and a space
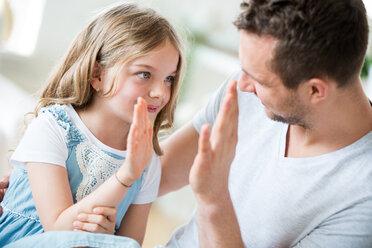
316, 38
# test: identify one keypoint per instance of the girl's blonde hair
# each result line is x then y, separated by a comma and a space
114, 38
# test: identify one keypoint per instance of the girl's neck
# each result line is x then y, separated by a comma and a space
105, 128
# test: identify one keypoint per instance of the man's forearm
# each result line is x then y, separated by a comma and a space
217, 222
218, 225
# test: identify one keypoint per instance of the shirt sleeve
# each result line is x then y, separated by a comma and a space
43, 142
208, 114
150, 184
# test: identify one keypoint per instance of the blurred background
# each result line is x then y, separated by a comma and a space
34, 35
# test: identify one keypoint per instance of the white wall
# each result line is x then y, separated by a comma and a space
59, 22
41, 37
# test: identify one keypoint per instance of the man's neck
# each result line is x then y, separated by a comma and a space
341, 123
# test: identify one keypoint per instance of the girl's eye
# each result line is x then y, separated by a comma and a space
169, 80
144, 74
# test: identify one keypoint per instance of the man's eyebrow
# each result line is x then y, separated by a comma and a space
259, 81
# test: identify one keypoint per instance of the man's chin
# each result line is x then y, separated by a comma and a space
287, 120
270, 114
275, 117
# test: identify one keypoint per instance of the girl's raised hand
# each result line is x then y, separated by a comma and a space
139, 145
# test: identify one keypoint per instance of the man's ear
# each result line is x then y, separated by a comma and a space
95, 79
318, 90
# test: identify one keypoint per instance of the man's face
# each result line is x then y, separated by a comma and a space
281, 104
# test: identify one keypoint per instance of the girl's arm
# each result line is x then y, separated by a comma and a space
53, 199
51, 190
133, 224
102, 220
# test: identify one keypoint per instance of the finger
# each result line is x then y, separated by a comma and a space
224, 109
234, 113
135, 120
204, 147
202, 159
150, 132
2, 193
233, 91
145, 114
225, 134
144, 130
142, 113
89, 227
232, 87
4, 183
222, 120
133, 127
145, 121
136, 113
232, 110
98, 219
227, 118
109, 212
230, 103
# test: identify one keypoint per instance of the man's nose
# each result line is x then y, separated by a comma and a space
246, 85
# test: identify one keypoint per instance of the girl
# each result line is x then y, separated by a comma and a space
91, 143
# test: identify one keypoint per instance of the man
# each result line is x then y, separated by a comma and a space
306, 180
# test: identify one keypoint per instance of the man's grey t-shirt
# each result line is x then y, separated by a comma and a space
322, 201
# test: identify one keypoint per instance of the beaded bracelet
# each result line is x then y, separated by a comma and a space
117, 179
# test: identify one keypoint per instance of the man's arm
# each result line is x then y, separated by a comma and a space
4, 183
179, 153
216, 219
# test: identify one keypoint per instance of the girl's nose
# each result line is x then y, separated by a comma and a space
157, 90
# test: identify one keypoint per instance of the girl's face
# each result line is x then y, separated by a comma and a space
149, 77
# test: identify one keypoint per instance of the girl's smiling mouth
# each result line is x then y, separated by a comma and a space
152, 108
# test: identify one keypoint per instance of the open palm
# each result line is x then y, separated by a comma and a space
210, 171
139, 146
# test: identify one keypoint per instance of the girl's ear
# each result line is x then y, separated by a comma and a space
95, 79
318, 90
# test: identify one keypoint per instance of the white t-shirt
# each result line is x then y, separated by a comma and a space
44, 142
321, 201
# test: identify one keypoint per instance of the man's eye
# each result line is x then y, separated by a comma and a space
145, 74
169, 79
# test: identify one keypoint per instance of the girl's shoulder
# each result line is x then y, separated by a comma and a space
46, 120
44, 140
61, 115
57, 111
